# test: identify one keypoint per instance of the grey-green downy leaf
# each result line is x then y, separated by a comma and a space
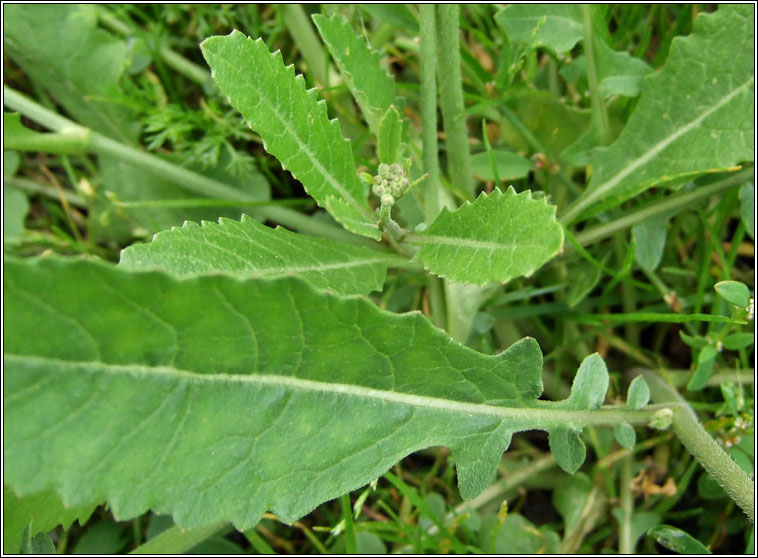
684, 124
213, 398
495, 238
372, 87
292, 123
248, 249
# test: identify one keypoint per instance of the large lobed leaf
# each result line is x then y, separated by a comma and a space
694, 116
495, 238
212, 398
293, 125
372, 87
249, 249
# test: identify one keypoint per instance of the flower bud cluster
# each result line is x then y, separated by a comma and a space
390, 183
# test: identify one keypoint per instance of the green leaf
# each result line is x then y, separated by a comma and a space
388, 138
516, 535
37, 513
650, 240
737, 341
188, 396
677, 540
351, 218
587, 392
733, 292
11, 162
625, 435
104, 537
705, 362
372, 87
294, 126
548, 118
638, 394
248, 249
394, 14
495, 238
40, 543
569, 498
684, 124
619, 73
698, 341
15, 209
510, 166
747, 207
174, 540
559, 32
590, 384
568, 448
584, 276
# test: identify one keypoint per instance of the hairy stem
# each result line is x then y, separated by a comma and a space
451, 99
626, 545
735, 482
428, 90
430, 147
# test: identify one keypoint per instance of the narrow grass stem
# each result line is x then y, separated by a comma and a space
735, 482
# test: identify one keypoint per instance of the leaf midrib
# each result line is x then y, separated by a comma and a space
538, 413
663, 144
469, 242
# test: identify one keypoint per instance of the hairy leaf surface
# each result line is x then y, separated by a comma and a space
249, 249
495, 238
212, 398
372, 87
293, 124
694, 116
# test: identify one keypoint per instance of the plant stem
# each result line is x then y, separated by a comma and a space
430, 149
626, 545
428, 89
661, 207
462, 300
735, 482
451, 98
347, 517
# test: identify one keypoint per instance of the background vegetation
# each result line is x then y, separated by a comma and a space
148, 86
